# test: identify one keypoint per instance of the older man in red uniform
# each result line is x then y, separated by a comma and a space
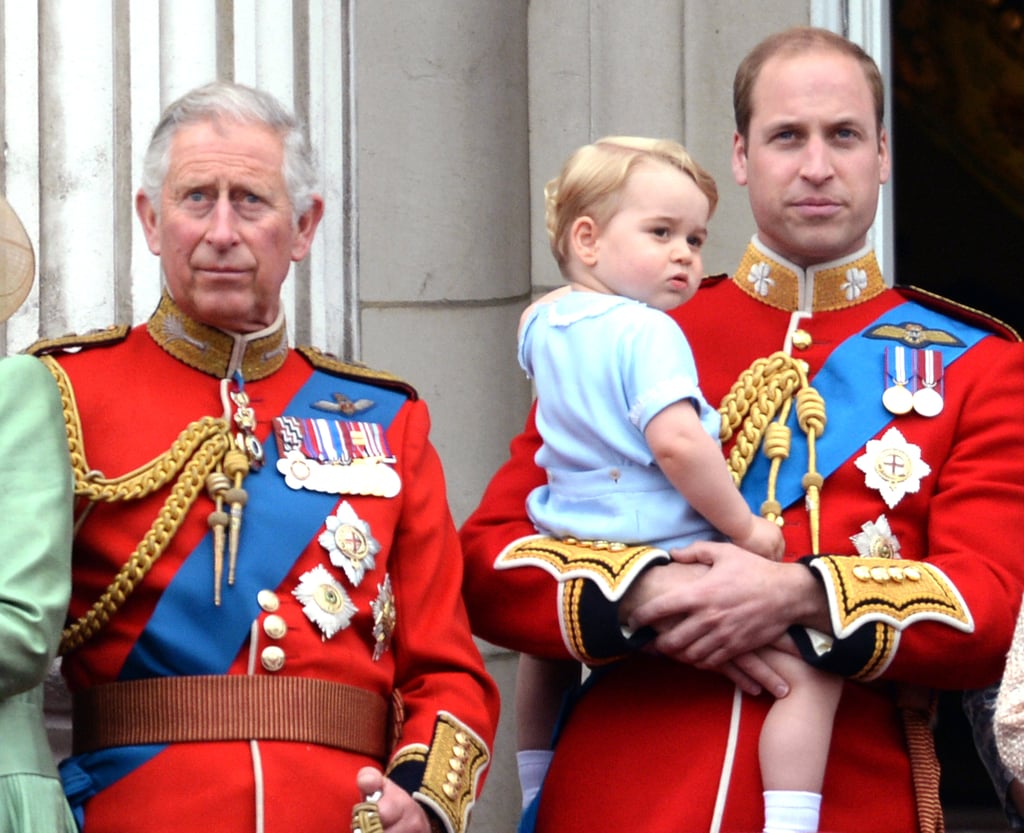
890, 423
266, 605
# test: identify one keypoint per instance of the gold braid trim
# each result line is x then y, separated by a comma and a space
610, 565
197, 451
451, 779
763, 393
767, 390
896, 593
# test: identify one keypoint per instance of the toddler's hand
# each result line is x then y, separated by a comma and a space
765, 538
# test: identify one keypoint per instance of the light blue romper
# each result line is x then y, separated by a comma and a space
603, 366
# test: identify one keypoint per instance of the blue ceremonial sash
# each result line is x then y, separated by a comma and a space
277, 525
852, 417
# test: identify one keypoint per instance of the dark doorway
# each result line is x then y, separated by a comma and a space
958, 194
958, 151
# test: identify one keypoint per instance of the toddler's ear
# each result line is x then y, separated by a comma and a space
583, 238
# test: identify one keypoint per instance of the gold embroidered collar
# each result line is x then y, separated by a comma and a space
218, 352
777, 282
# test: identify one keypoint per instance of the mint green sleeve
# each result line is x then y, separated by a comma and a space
35, 522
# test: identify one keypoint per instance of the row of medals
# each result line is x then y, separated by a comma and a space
913, 382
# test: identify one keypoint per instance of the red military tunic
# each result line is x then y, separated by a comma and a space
648, 746
360, 589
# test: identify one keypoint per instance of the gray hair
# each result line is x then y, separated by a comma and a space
236, 102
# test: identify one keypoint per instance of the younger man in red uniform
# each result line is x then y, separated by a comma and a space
892, 424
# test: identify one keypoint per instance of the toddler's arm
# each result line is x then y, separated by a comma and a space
693, 463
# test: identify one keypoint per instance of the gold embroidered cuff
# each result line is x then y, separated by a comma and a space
894, 592
455, 762
610, 566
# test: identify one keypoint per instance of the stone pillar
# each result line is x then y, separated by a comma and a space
444, 257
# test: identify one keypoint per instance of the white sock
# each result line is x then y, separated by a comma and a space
533, 766
791, 811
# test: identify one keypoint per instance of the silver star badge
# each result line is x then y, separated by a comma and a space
324, 601
893, 466
349, 543
876, 540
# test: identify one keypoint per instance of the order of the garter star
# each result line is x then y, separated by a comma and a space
349, 543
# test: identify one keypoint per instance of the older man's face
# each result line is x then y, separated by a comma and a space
224, 231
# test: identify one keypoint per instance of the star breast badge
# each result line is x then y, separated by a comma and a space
893, 466
349, 543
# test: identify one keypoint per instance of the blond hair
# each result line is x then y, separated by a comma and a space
591, 182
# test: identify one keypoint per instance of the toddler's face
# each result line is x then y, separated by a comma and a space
650, 249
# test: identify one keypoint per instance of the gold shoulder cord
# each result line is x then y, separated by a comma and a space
763, 393
194, 455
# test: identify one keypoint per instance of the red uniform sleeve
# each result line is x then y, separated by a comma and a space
517, 608
546, 612
955, 634
450, 702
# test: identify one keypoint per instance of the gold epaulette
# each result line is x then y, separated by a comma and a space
113, 334
355, 370
960, 311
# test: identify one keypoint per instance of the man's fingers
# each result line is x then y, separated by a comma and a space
754, 666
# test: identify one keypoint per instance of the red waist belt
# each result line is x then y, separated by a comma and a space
219, 708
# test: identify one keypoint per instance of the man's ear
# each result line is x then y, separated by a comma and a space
305, 229
739, 159
146, 212
583, 239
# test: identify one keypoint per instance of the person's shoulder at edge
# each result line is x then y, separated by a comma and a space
962, 312
711, 281
358, 371
103, 337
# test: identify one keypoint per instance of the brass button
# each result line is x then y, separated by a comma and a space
268, 600
274, 626
802, 339
272, 658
